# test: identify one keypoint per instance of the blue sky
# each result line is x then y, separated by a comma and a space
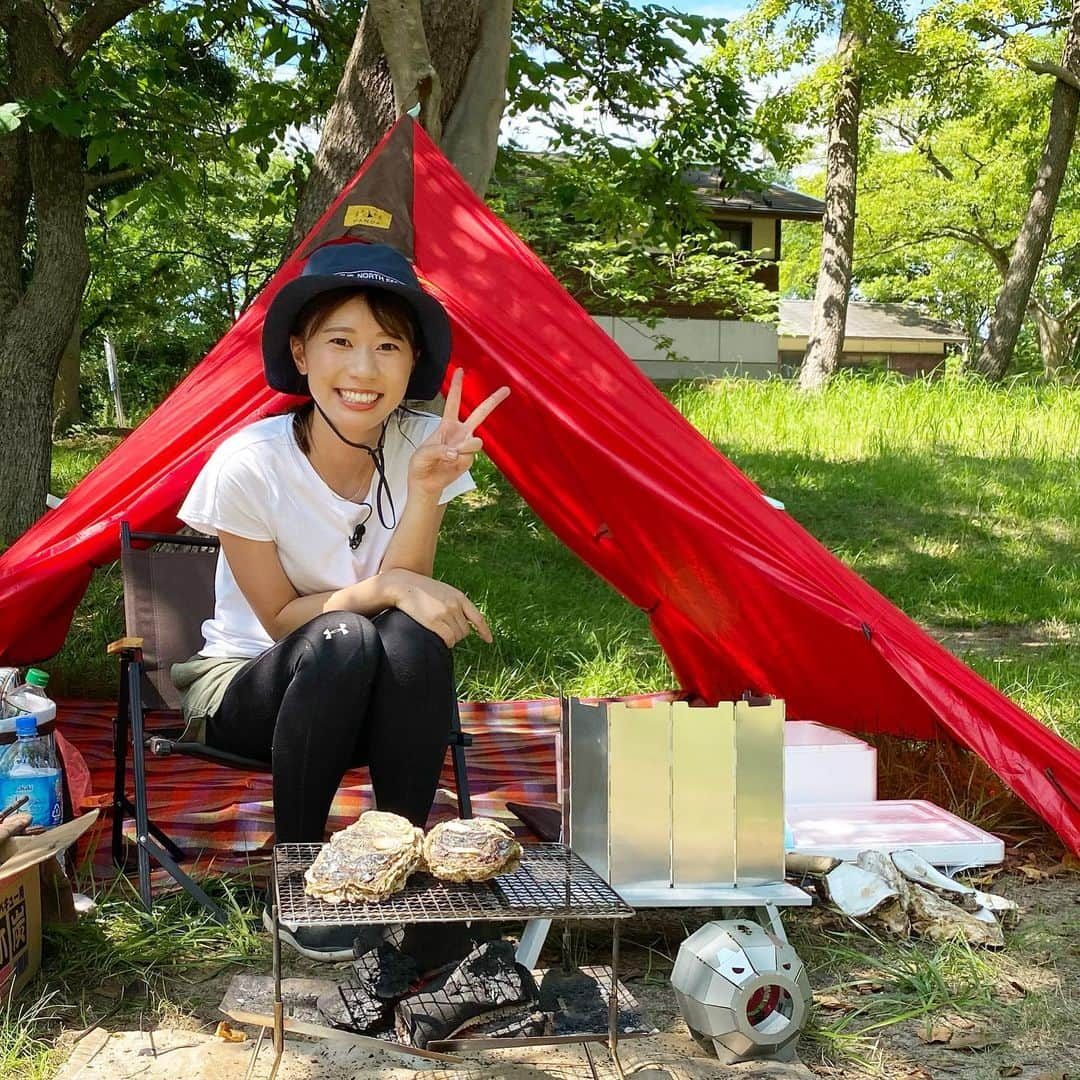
533, 135
719, 9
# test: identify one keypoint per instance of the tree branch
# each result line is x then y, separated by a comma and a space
923, 148
312, 13
95, 182
400, 25
1046, 67
998, 255
1070, 312
1040, 67
98, 18
472, 127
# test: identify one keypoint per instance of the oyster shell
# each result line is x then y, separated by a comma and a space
369, 860
473, 849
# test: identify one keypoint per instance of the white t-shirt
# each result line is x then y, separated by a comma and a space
259, 484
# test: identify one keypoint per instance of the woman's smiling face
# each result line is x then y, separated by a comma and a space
357, 368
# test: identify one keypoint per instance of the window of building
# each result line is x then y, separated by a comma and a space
735, 232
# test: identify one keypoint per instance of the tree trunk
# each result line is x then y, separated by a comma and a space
36, 323
1057, 340
471, 134
67, 408
1012, 301
434, 69
825, 345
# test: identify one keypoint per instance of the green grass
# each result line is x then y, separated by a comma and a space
890, 985
957, 500
124, 966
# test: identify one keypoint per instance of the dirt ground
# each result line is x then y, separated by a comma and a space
995, 639
877, 1012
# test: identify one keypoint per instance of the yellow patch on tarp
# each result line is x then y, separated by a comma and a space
373, 216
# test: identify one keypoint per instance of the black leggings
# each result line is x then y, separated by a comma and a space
343, 690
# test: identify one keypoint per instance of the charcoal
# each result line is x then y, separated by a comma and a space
386, 972
353, 1009
527, 1024
486, 982
575, 999
432, 946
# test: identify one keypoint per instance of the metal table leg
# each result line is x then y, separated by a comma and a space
279, 1006
532, 941
613, 1000
255, 1054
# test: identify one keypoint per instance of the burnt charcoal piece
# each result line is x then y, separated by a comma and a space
386, 972
575, 999
487, 981
524, 1025
431, 946
435, 945
353, 1009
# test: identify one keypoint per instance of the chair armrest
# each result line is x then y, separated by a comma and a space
123, 644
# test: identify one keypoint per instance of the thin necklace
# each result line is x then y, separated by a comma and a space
376, 454
363, 487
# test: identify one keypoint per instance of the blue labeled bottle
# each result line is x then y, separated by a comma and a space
28, 767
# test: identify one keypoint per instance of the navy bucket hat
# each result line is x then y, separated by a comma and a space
367, 266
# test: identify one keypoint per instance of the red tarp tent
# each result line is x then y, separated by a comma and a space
738, 594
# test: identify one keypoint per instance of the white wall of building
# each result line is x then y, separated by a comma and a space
709, 348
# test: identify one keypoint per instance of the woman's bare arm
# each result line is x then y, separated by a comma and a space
444, 610
412, 546
277, 605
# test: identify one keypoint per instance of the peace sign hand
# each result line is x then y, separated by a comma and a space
449, 450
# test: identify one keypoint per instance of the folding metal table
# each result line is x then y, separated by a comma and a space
551, 883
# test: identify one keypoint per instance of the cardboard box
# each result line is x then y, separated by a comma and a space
20, 899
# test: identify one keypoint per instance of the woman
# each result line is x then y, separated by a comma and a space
330, 641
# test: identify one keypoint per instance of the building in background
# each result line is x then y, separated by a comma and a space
886, 337
690, 343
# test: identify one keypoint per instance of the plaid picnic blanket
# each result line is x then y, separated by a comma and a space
224, 819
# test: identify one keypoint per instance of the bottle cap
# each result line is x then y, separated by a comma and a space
37, 677
25, 725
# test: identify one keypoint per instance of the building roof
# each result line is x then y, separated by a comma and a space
775, 201
867, 320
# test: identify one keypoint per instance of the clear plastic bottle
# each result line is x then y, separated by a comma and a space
28, 767
30, 697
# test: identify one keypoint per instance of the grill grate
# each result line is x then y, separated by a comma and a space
551, 882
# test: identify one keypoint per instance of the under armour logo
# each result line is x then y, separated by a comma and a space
329, 632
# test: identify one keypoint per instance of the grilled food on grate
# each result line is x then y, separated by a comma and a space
369, 860
475, 849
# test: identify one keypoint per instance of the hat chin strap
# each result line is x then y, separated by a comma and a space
376, 454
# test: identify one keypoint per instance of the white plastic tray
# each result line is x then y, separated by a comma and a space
844, 829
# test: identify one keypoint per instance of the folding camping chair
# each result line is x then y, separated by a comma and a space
168, 591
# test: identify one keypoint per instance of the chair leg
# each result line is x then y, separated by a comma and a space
121, 730
144, 828
461, 772
138, 755
123, 807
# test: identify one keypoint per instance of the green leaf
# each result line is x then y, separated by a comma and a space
11, 114
98, 149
